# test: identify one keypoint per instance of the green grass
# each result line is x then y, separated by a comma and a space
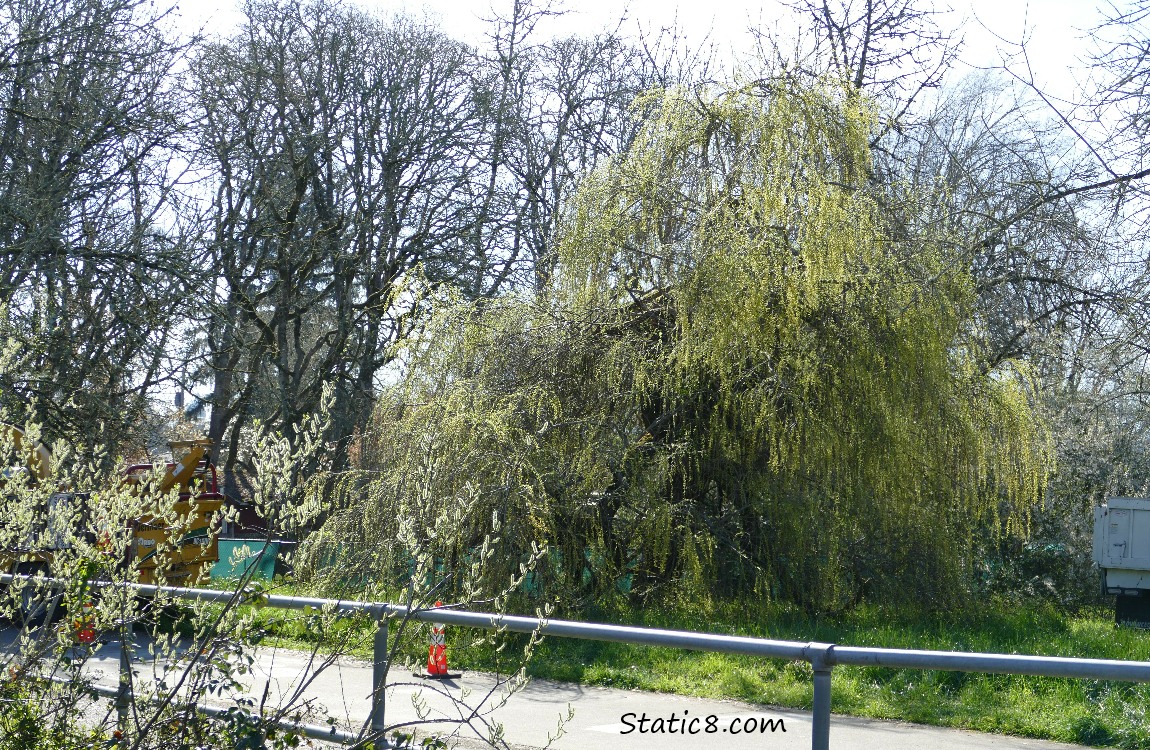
1105, 714
1069, 710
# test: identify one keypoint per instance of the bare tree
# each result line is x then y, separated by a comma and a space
343, 146
988, 160
95, 267
893, 49
573, 112
559, 108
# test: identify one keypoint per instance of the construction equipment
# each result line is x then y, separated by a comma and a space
69, 514
197, 549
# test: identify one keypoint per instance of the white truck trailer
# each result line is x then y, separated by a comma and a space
1122, 551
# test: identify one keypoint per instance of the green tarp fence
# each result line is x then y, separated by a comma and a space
237, 556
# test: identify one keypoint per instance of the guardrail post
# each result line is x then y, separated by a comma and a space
822, 659
379, 668
124, 695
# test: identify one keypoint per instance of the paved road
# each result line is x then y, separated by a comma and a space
604, 719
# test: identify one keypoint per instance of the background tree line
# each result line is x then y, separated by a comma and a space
330, 195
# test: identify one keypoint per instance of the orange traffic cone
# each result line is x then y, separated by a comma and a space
85, 633
437, 654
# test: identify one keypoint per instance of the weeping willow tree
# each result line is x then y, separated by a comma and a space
736, 381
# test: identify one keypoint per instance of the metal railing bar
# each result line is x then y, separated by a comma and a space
823, 657
1023, 664
311, 731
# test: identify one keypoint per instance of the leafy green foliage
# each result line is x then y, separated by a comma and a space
26, 723
737, 380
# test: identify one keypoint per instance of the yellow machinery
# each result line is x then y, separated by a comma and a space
194, 553
188, 558
39, 460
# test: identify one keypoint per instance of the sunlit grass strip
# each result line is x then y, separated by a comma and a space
1093, 712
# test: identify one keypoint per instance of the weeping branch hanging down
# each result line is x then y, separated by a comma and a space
735, 381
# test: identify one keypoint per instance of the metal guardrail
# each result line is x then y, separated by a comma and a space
323, 733
823, 657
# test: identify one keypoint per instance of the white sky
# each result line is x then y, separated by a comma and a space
1056, 29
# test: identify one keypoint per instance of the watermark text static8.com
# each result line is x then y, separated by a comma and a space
707, 724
